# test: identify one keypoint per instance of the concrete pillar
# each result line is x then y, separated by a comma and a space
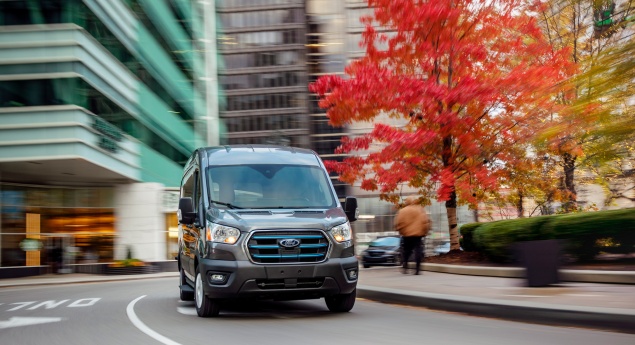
140, 221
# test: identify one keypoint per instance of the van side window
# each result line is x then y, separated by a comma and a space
187, 188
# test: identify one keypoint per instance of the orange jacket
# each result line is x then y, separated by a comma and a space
412, 220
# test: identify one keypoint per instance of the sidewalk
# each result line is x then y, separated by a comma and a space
481, 291
570, 303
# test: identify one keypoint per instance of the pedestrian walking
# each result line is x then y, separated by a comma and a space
413, 223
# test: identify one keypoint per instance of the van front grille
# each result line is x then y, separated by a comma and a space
281, 247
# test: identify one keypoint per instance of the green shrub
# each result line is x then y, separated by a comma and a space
466, 238
584, 234
587, 234
496, 239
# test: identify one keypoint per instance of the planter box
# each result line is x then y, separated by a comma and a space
541, 260
130, 270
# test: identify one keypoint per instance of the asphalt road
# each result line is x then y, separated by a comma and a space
149, 312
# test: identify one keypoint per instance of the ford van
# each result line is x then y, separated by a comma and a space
263, 222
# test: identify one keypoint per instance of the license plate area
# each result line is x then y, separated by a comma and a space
290, 272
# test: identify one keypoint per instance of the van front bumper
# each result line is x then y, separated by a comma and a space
244, 279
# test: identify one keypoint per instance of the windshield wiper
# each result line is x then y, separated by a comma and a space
226, 204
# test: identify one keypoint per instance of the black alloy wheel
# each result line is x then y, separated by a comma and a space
205, 306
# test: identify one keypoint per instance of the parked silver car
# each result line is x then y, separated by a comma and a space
383, 251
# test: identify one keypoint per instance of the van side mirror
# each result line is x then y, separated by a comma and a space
350, 208
185, 213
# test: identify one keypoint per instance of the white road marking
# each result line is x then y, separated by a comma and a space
84, 302
80, 303
20, 305
142, 326
17, 321
48, 304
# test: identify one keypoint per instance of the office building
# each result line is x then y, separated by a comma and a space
101, 102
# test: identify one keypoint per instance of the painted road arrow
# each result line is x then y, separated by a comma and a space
27, 321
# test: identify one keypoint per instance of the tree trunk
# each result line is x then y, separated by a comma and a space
519, 206
450, 206
569, 184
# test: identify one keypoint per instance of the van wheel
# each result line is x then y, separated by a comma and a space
341, 303
185, 290
205, 306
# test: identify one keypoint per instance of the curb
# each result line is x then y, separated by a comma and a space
579, 276
611, 319
589, 276
502, 272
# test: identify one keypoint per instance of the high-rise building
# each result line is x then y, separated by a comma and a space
101, 102
262, 71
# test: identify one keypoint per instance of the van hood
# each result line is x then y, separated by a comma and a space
256, 219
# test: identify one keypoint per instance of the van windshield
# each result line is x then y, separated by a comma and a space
269, 186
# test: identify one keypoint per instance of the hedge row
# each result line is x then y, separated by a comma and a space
584, 234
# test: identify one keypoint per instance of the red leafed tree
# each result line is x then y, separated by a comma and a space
465, 81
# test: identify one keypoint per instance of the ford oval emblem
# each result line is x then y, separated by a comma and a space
289, 242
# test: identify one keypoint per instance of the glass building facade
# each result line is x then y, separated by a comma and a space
96, 96
326, 55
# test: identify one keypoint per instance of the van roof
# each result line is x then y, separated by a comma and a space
260, 154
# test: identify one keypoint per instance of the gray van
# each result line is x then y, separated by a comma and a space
263, 222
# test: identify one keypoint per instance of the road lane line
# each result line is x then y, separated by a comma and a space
142, 326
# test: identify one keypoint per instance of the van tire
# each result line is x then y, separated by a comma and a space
341, 303
205, 306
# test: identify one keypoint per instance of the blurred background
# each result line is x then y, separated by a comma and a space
103, 101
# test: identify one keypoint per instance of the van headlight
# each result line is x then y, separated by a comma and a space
221, 233
342, 233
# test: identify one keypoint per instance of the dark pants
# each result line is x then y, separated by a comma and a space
410, 244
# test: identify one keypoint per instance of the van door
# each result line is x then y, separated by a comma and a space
188, 237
